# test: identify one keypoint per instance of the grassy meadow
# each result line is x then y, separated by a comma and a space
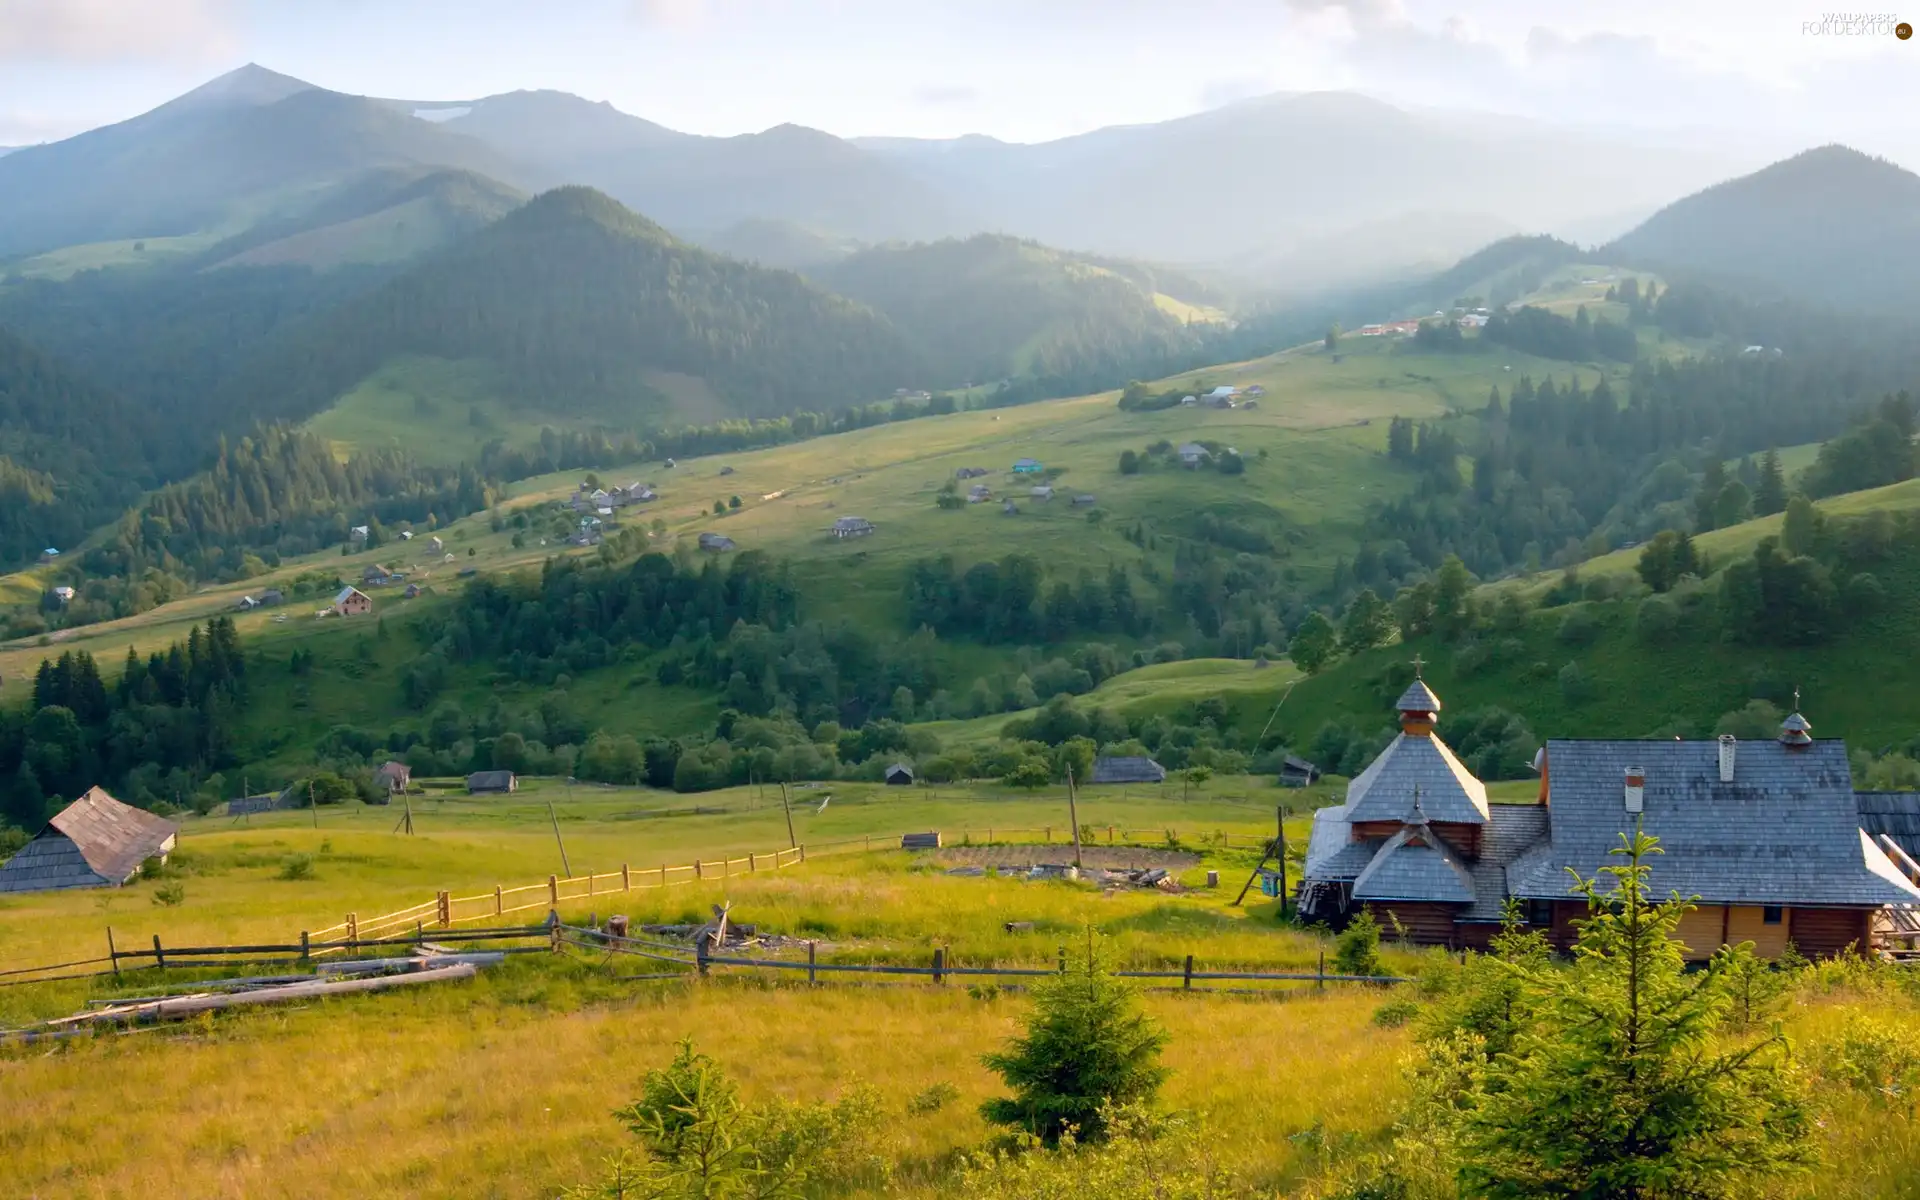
505, 1085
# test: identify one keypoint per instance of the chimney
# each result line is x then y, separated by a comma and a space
1726, 758
1636, 789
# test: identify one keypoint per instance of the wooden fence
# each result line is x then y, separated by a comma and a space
699, 960
263, 953
446, 910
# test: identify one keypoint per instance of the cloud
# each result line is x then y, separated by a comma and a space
113, 30
946, 95
668, 12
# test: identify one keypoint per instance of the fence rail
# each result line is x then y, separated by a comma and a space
700, 959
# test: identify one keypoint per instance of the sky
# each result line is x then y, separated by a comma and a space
1768, 72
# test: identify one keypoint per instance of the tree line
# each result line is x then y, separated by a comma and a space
152, 738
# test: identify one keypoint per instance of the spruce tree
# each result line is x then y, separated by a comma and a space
1088, 1050
1621, 1085
1770, 496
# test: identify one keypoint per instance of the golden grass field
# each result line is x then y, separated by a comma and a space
504, 1086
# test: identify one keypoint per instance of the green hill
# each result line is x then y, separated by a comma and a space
991, 307
384, 216
1834, 612
1754, 231
782, 244
582, 305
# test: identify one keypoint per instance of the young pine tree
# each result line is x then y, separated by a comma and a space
1088, 1050
1619, 1085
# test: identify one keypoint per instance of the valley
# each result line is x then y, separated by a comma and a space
783, 571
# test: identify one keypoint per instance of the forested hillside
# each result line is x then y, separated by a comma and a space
1830, 226
992, 307
577, 300
71, 453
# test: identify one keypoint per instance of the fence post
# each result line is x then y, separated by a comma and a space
589, 882
499, 901
1063, 960
939, 963
1188, 980
753, 862
1049, 835
444, 902
353, 929
811, 944
663, 875
803, 851
553, 889
700, 954
159, 955
553, 929
1321, 982
698, 872
112, 954
1109, 835
305, 946
626, 878
726, 868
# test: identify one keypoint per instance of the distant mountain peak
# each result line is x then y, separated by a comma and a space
252, 84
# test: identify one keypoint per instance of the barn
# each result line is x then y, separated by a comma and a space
899, 774
94, 842
1127, 769
483, 783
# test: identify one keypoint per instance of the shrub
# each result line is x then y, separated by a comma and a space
171, 894
1657, 620
1357, 952
1395, 1013
1575, 688
1088, 1048
1579, 628
933, 1099
296, 867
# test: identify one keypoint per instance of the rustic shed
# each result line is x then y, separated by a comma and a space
94, 842
899, 774
393, 776
1127, 769
484, 783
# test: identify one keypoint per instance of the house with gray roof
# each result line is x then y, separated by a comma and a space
94, 842
1766, 839
1126, 768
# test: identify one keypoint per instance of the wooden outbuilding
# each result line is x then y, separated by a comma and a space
94, 842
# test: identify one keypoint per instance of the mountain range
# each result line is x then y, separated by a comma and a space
1267, 184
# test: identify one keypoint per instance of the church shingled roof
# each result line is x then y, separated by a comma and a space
1418, 698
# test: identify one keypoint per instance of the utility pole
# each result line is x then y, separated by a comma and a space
1277, 846
315, 808
1073, 815
555, 818
786, 806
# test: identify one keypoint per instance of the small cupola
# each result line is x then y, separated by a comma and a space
1419, 707
1796, 732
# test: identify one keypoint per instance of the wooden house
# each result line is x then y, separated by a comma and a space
393, 776
1027, 466
1125, 768
1297, 772
352, 602
1766, 836
492, 783
717, 543
94, 842
851, 527
1192, 454
898, 775
1043, 492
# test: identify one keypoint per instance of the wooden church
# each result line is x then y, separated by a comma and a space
1766, 835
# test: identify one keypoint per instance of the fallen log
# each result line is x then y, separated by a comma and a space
317, 989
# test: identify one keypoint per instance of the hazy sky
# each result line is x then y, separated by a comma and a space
1023, 70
